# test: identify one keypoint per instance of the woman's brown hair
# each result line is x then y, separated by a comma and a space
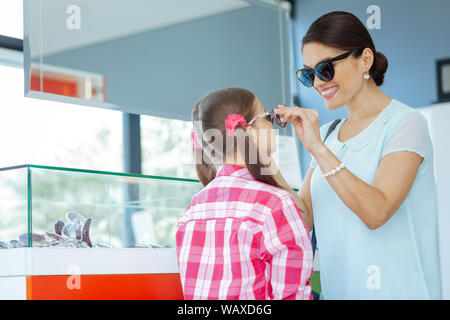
344, 31
209, 113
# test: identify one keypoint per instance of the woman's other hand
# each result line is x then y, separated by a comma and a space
306, 128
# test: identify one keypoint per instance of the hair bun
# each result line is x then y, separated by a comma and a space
379, 68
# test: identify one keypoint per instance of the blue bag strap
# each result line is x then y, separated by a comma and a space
330, 130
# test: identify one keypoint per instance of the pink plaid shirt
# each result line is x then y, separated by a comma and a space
243, 239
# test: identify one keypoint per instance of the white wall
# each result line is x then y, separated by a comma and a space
438, 117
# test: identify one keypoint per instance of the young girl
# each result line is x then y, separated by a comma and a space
242, 236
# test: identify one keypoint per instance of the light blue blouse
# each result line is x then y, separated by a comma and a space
399, 260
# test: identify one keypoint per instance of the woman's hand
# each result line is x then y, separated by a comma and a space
307, 128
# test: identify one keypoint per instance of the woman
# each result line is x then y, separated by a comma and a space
370, 187
242, 236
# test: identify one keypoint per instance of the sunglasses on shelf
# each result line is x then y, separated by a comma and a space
272, 117
323, 70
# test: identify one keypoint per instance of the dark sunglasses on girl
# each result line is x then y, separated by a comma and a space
323, 70
272, 117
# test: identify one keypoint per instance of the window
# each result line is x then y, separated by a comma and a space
166, 147
11, 18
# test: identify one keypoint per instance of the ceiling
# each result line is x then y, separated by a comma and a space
103, 20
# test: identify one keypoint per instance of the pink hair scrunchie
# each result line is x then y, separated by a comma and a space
232, 121
194, 140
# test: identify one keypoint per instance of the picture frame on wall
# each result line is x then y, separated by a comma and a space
443, 79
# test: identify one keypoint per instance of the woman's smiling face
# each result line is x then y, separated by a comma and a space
348, 74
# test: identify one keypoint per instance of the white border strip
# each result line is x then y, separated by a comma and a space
62, 261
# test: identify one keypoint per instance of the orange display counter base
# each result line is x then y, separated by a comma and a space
105, 287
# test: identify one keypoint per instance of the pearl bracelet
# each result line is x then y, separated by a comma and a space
337, 169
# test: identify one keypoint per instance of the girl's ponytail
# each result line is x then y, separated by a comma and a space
206, 170
255, 169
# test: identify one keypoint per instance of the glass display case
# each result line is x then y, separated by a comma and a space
59, 207
83, 234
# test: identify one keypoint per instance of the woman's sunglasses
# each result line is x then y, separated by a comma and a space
272, 117
323, 70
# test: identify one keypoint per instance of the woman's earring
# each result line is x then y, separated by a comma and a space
366, 76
